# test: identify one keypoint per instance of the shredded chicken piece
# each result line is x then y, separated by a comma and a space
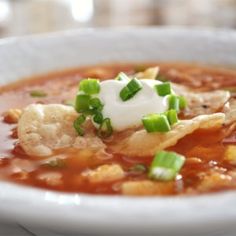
200, 103
105, 173
215, 180
230, 154
94, 143
51, 178
146, 187
141, 143
12, 116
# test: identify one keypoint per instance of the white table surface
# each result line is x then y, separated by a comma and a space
15, 229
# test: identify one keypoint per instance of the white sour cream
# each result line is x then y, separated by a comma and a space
127, 114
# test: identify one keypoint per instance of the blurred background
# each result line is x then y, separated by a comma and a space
22, 17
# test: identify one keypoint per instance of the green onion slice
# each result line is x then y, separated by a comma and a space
98, 118
122, 77
96, 104
77, 124
105, 130
130, 89
90, 86
173, 102
156, 123
182, 102
82, 102
172, 116
163, 89
165, 166
38, 93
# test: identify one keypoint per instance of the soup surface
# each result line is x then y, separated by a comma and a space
210, 153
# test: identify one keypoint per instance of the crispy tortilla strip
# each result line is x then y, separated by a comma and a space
150, 73
200, 103
45, 128
230, 111
141, 143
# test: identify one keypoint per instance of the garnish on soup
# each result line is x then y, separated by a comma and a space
164, 130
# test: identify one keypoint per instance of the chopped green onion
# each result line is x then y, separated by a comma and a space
105, 130
161, 78
122, 77
81, 119
173, 102
125, 94
95, 103
89, 86
182, 102
172, 116
163, 89
138, 169
166, 165
56, 163
77, 124
38, 93
156, 123
98, 118
90, 112
82, 102
130, 89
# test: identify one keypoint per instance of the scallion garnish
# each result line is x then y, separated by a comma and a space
38, 93
105, 130
165, 166
98, 118
95, 103
77, 124
163, 89
172, 116
82, 102
156, 123
182, 102
122, 77
173, 102
130, 89
89, 86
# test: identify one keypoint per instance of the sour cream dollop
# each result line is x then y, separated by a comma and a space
127, 114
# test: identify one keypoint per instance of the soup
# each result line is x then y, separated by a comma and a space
47, 141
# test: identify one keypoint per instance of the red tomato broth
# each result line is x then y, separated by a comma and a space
205, 145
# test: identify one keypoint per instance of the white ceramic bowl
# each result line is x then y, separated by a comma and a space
20, 57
